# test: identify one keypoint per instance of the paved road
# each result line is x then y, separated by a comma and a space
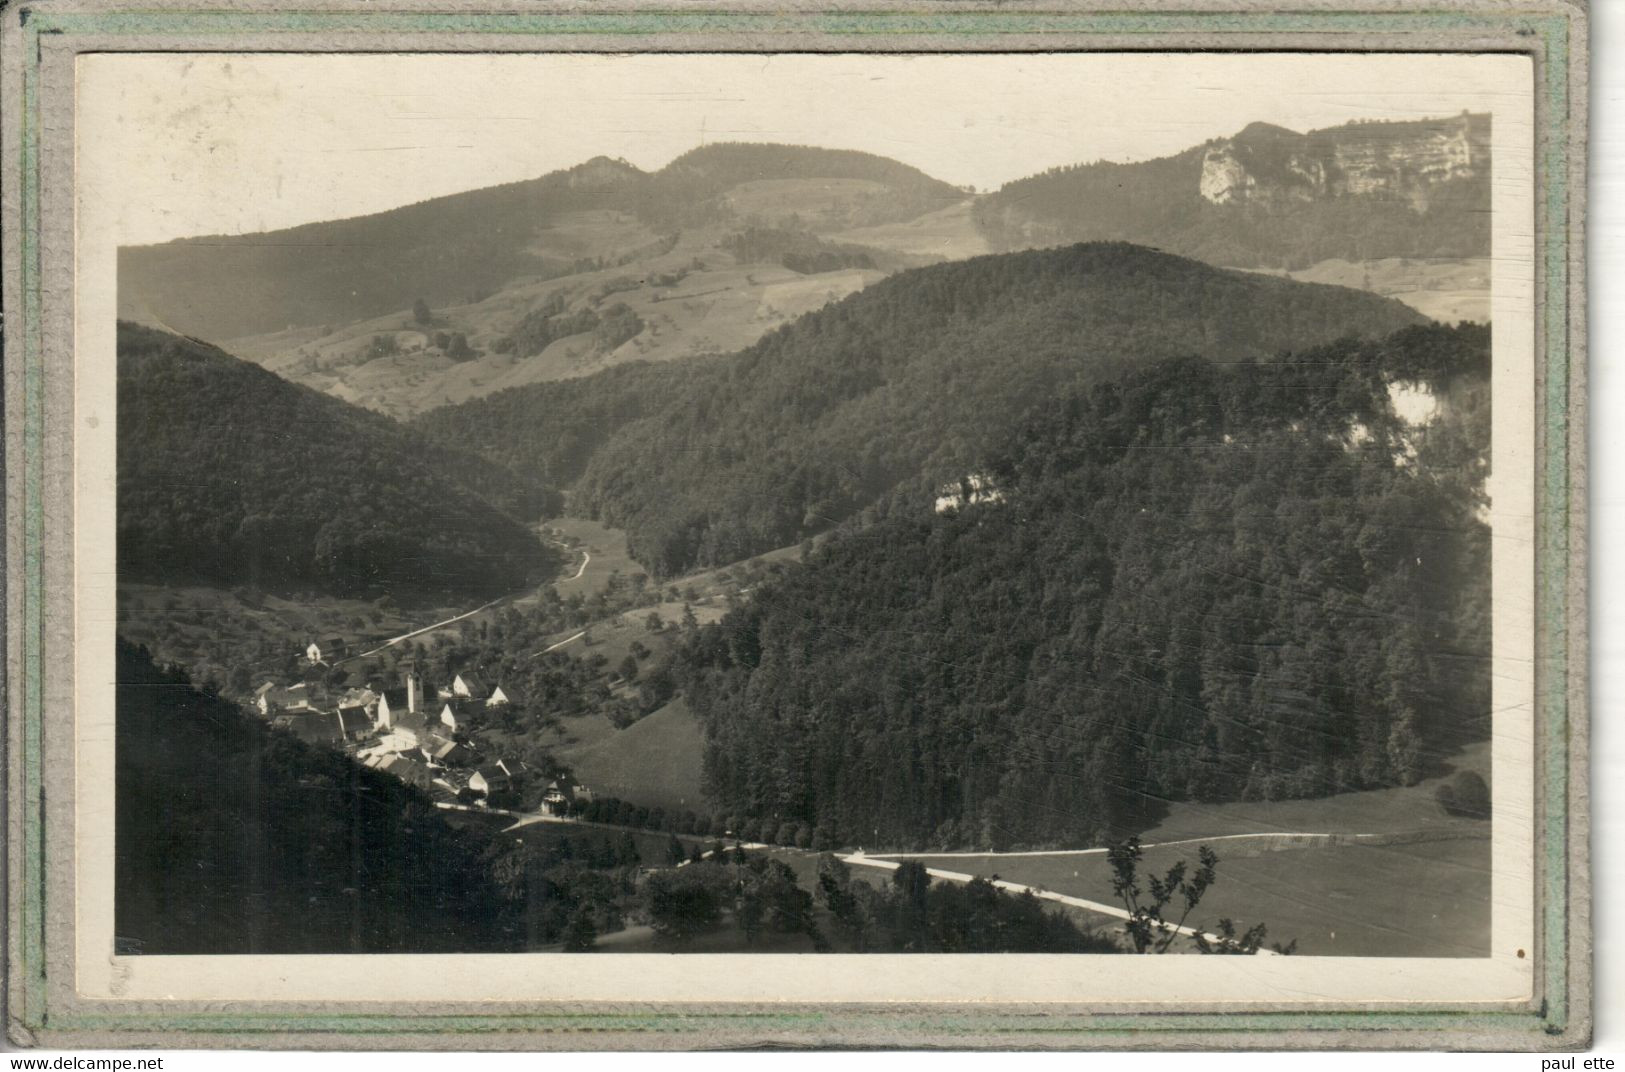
1114, 911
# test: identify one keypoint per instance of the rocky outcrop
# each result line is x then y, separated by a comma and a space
1406, 162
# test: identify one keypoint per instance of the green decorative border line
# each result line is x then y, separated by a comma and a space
1548, 37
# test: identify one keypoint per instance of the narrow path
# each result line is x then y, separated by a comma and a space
419, 632
1015, 887
586, 557
560, 644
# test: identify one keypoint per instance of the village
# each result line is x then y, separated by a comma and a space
419, 734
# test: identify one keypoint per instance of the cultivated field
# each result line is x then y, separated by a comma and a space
948, 234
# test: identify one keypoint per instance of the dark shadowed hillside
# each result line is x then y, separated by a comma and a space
1198, 582
911, 380
1271, 197
234, 838
229, 475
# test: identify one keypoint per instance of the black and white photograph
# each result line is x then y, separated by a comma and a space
819, 504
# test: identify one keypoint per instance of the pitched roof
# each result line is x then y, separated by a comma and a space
406, 769
358, 698
353, 721
310, 728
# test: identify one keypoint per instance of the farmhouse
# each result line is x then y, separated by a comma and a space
469, 687
562, 795
354, 723
457, 715
408, 770
491, 778
305, 696
445, 752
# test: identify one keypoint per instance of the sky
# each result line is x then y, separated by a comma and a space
234, 144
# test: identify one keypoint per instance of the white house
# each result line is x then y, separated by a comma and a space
489, 779
457, 714
468, 687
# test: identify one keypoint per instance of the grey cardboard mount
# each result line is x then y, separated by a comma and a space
38, 42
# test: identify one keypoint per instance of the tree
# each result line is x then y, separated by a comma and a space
1466, 795
1148, 928
653, 623
684, 901
690, 622
459, 349
421, 313
582, 933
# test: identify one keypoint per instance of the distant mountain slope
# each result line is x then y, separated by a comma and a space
233, 838
229, 475
1197, 582
1271, 197
462, 248
912, 379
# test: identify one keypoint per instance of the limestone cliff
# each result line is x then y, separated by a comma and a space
1406, 162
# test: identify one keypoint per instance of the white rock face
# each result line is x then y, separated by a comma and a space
1413, 403
1224, 179
972, 490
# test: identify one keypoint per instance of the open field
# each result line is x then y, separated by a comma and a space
655, 762
947, 234
604, 547
1403, 809
1426, 899
1418, 885
1446, 290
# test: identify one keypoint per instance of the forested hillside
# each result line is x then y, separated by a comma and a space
234, 838
229, 475
461, 248
1203, 581
1271, 198
911, 380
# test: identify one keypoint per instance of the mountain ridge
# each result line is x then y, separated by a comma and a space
716, 459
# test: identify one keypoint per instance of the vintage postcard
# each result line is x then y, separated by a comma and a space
651, 525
